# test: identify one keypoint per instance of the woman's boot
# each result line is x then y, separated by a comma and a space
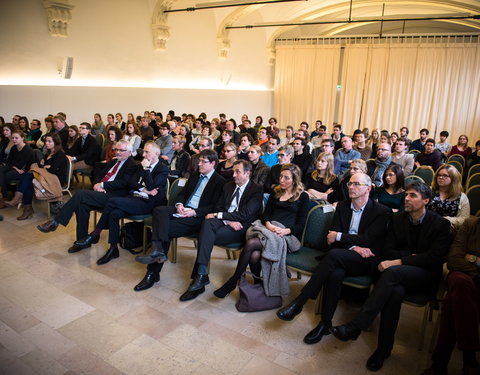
16, 200
27, 212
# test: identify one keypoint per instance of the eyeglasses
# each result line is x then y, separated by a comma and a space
281, 155
443, 175
203, 161
227, 150
356, 184
82, 127
118, 150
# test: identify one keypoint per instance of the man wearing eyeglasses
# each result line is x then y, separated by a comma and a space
197, 199
356, 239
86, 151
113, 181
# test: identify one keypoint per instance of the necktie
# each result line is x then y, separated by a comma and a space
83, 142
111, 172
235, 197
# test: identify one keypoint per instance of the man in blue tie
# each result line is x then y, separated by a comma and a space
196, 200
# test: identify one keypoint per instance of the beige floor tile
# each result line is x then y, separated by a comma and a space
49, 340
14, 343
99, 333
16, 317
259, 365
43, 364
221, 355
18, 367
83, 362
6, 357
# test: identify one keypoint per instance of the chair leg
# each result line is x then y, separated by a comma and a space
436, 327
426, 313
228, 253
144, 239
318, 303
48, 210
173, 251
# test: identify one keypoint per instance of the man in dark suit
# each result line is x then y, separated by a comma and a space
356, 240
238, 208
415, 248
147, 190
196, 200
112, 182
86, 151
61, 128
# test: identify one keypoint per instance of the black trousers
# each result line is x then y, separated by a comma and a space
81, 204
214, 232
330, 273
387, 296
119, 208
165, 227
7, 174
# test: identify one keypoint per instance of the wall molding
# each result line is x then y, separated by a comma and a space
59, 16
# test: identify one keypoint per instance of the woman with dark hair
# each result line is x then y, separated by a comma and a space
6, 143
134, 136
73, 135
289, 136
225, 167
227, 137
180, 159
2, 121
258, 123
246, 140
120, 123
273, 129
24, 125
461, 148
392, 192
448, 198
114, 134
474, 157
56, 162
18, 162
130, 119
322, 183
285, 217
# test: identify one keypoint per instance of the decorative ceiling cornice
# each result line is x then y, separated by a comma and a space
160, 28
58, 16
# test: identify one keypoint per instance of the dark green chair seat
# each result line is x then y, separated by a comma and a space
304, 260
360, 282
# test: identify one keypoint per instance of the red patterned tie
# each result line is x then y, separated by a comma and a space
111, 173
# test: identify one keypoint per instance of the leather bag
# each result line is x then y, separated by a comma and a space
253, 297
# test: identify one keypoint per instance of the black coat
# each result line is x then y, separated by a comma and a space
157, 178
90, 152
120, 186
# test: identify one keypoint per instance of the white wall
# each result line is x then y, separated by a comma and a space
111, 43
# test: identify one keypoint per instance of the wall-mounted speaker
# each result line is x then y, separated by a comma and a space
67, 67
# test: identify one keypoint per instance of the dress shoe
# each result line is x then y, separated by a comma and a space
225, 289
111, 253
375, 362
75, 248
189, 295
291, 310
149, 279
316, 334
198, 283
87, 241
49, 226
154, 256
346, 332
27, 212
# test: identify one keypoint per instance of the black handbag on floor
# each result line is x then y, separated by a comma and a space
253, 297
131, 236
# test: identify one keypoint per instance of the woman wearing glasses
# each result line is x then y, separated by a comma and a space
448, 198
225, 167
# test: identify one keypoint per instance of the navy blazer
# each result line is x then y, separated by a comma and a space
120, 186
90, 152
249, 207
372, 228
157, 178
210, 194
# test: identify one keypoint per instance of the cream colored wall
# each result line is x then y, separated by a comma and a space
111, 43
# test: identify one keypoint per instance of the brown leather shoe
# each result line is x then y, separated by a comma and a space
16, 200
27, 212
49, 226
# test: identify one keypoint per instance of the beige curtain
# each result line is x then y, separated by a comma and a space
305, 84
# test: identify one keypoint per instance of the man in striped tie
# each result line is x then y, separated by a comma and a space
112, 182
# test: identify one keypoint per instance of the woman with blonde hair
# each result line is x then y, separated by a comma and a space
225, 167
461, 148
448, 198
285, 216
321, 183
373, 140
72, 137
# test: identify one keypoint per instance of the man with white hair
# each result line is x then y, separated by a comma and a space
113, 181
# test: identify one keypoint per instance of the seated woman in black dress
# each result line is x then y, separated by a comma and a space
56, 162
288, 205
6, 143
391, 193
322, 184
225, 167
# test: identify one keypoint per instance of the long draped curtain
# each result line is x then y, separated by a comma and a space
305, 83
387, 86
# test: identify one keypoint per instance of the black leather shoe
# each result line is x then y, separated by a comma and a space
198, 283
346, 332
154, 256
111, 253
149, 279
76, 248
225, 289
88, 240
49, 226
316, 334
189, 295
291, 310
375, 362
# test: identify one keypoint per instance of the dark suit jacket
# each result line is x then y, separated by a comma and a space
63, 134
120, 186
182, 161
210, 194
90, 152
249, 207
157, 178
372, 228
433, 243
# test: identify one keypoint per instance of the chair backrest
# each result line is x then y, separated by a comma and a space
175, 189
316, 228
100, 140
474, 179
473, 169
70, 174
456, 164
37, 156
473, 194
414, 152
426, 173
457, 157
412, 178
